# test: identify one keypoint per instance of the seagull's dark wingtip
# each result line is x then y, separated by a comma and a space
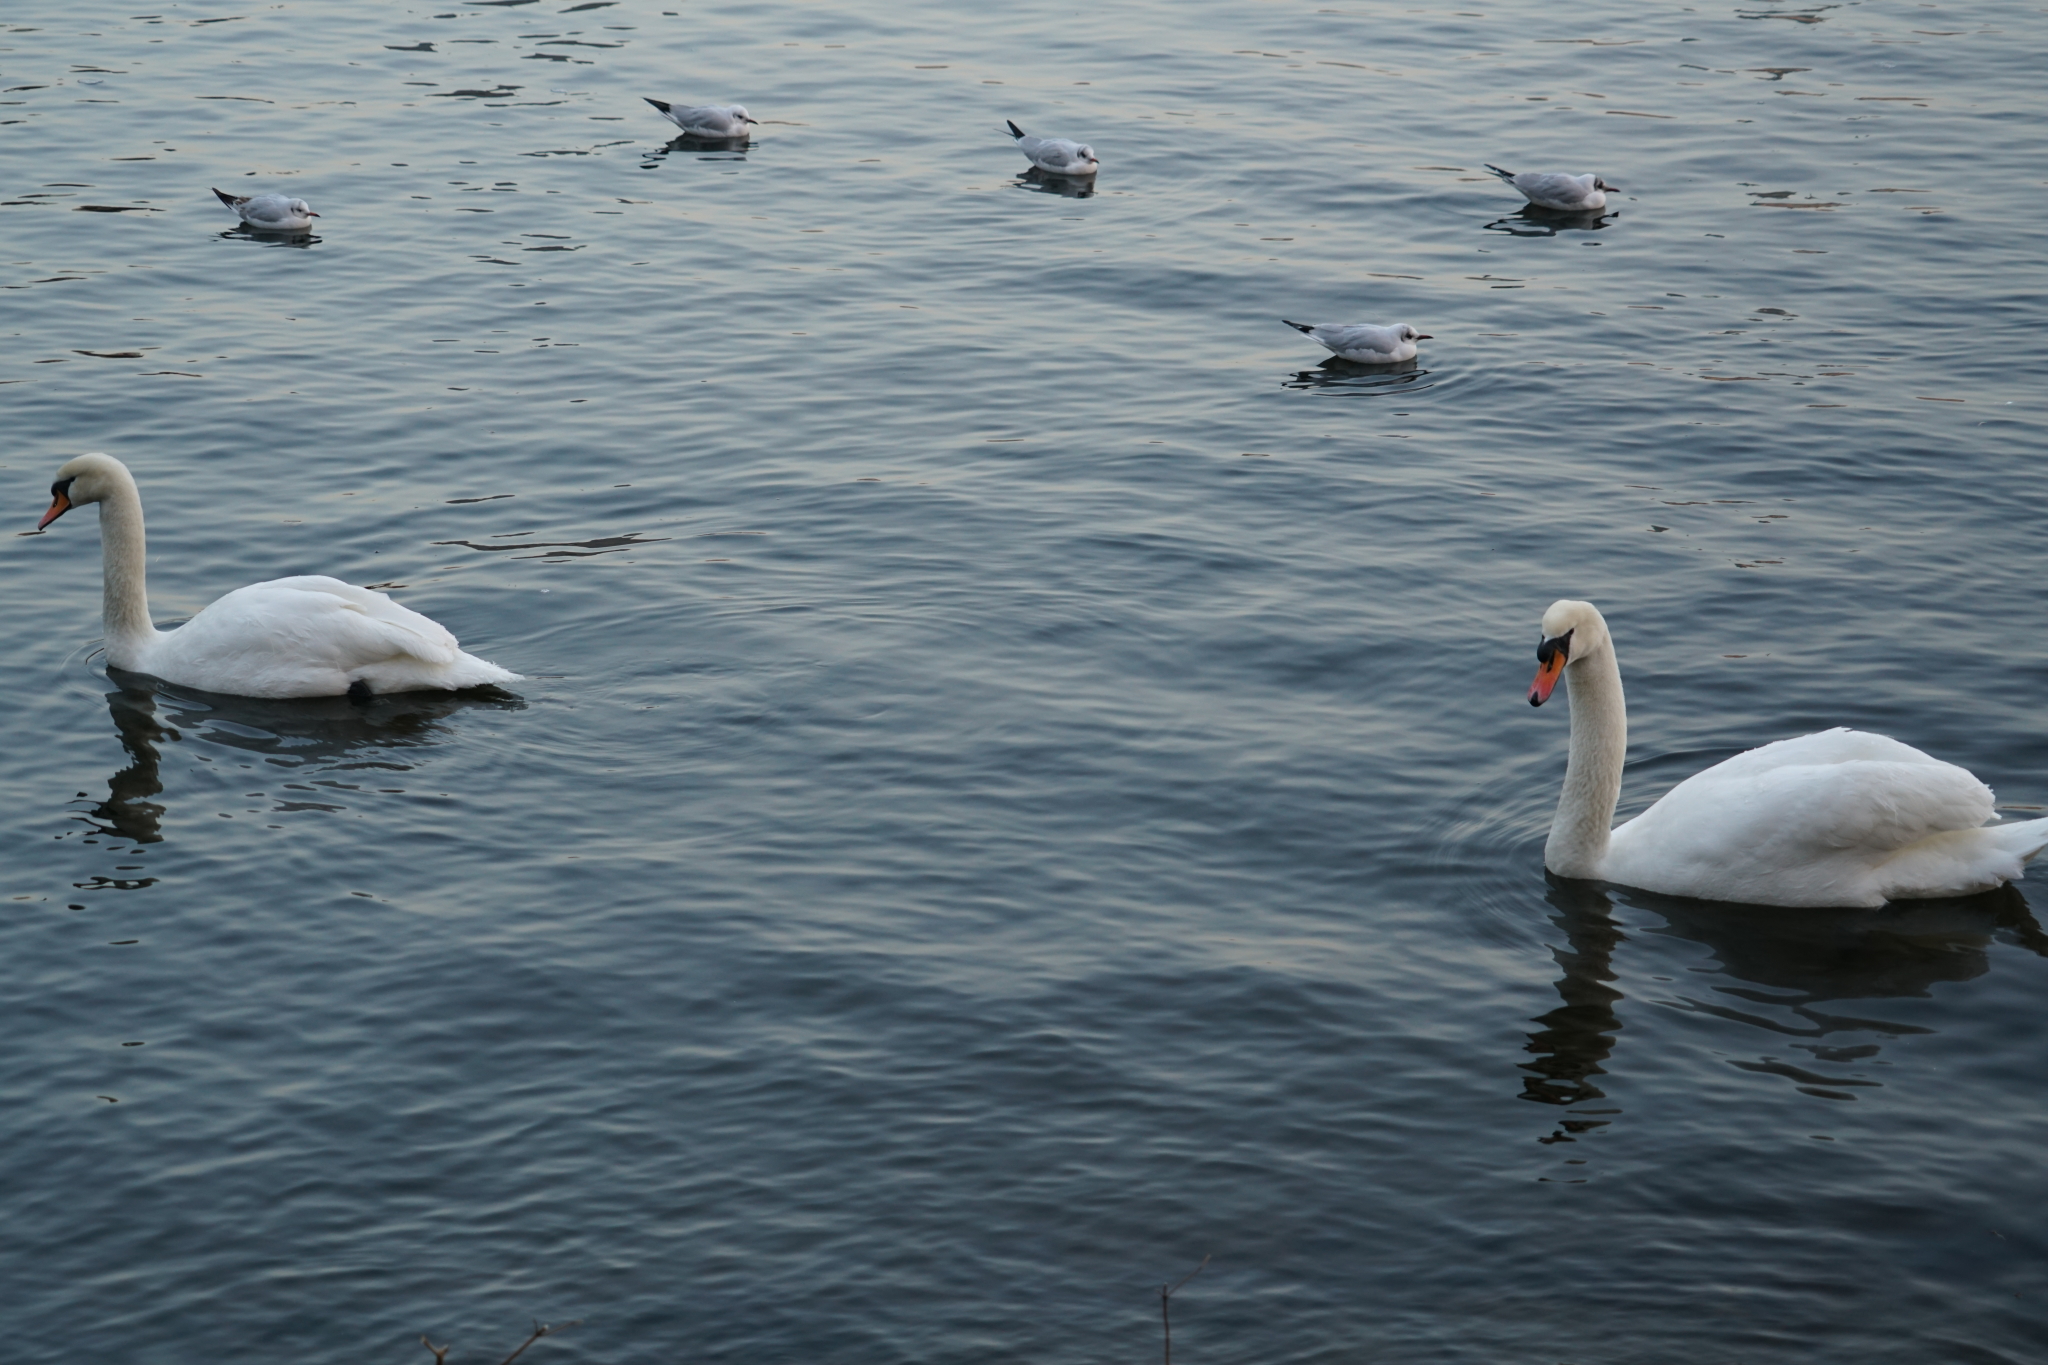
659, 104
226, 198
1299, 326
1015, 131
1505, 175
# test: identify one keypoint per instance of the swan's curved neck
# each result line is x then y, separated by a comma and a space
1592, 777
125, 609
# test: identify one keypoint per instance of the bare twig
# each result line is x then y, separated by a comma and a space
1166, 1293
540, 1329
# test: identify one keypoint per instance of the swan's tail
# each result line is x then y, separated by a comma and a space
2024, 839
1015, 131
1508, 176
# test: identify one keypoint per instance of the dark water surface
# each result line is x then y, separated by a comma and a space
1024, 777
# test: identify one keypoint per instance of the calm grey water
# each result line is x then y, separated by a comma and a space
1024, 777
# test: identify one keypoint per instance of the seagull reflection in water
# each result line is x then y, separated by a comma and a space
306, 736
1801, 960
1358, 380
242, 232
708, 148
1066, 186
1536, 221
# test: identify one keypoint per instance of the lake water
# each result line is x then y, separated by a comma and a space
1024, 777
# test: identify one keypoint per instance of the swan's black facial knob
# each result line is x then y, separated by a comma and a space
60, 502
1551, 657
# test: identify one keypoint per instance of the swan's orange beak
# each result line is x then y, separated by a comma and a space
59, 505
1549, 668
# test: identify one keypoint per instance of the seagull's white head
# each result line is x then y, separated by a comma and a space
1571, 631
1602, 185
302, 208
739, 114
1408, 333
1087, 154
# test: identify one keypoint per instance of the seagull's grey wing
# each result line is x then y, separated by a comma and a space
266, 208
1357, 336
1550, 185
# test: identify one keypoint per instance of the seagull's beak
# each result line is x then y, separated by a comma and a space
753, 120
1551, 657
1424, 336
59, 505
311, 214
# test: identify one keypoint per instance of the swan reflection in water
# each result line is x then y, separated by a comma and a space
1533, 221
1065, 186
1794, 961
307, 736
1353, 378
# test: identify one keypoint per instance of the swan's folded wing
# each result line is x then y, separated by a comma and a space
1879, 805
339, 623
1832, 791
1809, 821
1821, 749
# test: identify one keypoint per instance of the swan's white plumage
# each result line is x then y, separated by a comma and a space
1838, 818
307, 636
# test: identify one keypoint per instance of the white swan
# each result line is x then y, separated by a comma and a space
290, 637
1839, 818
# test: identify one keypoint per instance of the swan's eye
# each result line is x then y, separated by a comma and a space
62, 488
1552, 648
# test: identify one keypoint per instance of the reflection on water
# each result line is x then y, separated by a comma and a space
705, 148
1577, 1036
1356, 379
319, 732
1801, 960
245, 233
1536, 221
1066, 186
128, 811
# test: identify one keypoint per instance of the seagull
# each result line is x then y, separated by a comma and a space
270, 212
1556, 190
1056, 154
1363, 342
707, 120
